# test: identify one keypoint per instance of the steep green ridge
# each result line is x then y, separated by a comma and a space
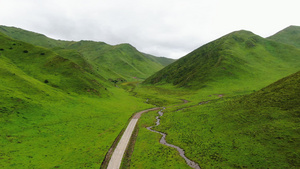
112, 62
55, 113
238, 61
289, 35
260, 130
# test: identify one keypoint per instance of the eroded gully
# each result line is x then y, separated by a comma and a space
163, 141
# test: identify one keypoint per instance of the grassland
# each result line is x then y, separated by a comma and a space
74, 132
56, 113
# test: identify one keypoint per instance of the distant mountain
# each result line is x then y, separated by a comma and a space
122, 60
112, 62
162, 60
289, 35
240, 60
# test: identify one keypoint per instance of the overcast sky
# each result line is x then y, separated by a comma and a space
170, 28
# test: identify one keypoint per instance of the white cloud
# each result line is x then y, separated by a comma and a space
170, 28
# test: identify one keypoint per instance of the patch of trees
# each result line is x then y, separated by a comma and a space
119, 80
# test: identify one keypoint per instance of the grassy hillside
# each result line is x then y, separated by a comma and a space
112, 62
49, 68
289, 35
240, 61
55, 113
260, 130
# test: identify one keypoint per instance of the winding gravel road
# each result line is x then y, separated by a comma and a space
118, 153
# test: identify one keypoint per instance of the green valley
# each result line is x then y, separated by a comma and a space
231, 103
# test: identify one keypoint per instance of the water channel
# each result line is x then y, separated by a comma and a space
163, 141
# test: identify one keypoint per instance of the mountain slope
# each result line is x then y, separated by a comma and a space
48, 67
240, 60
289, 35
112, 62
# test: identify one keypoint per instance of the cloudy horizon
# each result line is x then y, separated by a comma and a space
169, 28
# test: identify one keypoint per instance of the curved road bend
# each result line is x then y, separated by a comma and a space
116, 158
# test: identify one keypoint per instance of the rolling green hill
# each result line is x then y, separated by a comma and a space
239, 61
120, 62
289, 35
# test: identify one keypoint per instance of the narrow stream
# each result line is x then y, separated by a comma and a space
163, 141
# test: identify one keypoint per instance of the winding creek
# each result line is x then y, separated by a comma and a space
163, 141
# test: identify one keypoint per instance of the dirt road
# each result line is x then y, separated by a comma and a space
118, 153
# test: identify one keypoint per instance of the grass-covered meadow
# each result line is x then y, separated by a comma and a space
74, 132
